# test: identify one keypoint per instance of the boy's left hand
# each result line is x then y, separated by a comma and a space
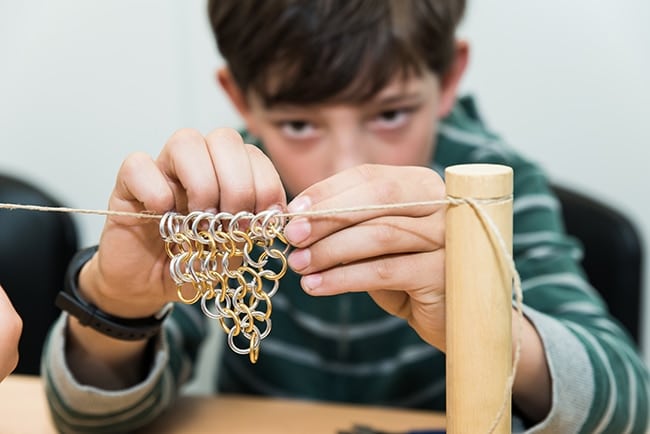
396, 255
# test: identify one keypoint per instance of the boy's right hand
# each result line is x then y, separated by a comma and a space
129, 275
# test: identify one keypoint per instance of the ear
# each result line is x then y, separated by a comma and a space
236, 95
451, 79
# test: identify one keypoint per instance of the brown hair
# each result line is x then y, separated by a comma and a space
311, 51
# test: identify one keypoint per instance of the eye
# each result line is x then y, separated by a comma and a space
298, 129
391, 119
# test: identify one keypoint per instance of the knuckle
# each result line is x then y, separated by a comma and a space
431, 182
325, 255
133, 162
181, 139
385, 234
184, 135
387, 190
254, 151
219, 135
383, 269
367, 171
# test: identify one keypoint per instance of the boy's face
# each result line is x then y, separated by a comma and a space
310, 143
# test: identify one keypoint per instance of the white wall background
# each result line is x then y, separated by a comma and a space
83, 84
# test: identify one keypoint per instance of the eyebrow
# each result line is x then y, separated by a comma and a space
412, 97
401, 98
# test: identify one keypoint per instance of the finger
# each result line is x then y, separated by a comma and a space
377, 237
232, 166
185, 161
141, 186
268, 186
391, 189
11, 329
341, 182
382, 177
417, 273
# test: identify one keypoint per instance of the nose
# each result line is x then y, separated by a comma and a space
348, 148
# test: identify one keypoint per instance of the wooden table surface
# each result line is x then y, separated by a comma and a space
23, 410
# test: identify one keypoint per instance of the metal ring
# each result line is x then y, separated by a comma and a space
179, 294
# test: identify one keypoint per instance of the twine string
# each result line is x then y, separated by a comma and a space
62, 209
475, 204
315, 213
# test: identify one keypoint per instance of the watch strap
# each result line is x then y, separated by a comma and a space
70, 300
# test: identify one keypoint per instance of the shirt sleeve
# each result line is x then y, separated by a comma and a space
80, 408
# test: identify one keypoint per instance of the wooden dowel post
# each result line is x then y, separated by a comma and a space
478, 300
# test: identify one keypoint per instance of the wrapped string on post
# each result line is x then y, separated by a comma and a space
478, 300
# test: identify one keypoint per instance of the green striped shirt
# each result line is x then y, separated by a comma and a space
344, 348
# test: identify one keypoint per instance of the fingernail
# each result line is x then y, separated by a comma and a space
297, 230
299, 204
312, 282
276, 207
299, 259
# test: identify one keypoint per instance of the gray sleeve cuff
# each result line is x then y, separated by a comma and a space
571, 376
92, 400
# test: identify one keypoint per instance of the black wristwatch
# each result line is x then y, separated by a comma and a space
129, 329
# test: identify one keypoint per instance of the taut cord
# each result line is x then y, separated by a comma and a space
319, 213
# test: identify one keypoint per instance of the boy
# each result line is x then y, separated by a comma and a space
353, 103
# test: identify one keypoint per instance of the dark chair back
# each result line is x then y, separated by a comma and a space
613, 253
35, 248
